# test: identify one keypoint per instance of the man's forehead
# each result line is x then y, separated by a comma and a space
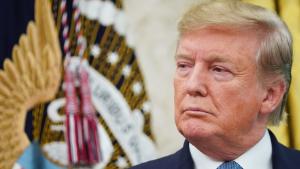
225, 28
209, 57
253, 35
217, 45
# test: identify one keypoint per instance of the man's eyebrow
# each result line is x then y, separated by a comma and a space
183, 56
222, 58
218, 58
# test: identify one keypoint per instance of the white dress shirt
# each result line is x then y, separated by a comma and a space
257, 157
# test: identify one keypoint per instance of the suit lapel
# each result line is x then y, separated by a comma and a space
280, 155
184, 158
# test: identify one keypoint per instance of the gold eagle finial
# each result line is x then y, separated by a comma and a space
32, 77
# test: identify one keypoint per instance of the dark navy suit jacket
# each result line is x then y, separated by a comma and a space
282, 158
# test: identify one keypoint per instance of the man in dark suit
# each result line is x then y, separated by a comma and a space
232, 78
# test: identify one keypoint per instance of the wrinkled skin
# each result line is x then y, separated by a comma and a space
221, 106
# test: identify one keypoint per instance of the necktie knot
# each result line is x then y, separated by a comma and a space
230, 165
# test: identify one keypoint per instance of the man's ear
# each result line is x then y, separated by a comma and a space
273, 96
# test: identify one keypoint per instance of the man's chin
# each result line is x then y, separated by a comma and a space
196, 132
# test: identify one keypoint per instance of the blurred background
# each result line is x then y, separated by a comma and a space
149, 30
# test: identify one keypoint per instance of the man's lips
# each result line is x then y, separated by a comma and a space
195, 111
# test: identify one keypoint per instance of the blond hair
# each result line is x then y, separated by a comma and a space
274, 56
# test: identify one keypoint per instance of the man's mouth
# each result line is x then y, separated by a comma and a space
195, 111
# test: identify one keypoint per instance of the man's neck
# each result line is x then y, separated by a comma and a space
228, 149
261, 153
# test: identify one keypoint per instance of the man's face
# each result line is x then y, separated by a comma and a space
217, 92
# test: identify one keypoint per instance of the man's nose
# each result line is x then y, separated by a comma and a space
196, 84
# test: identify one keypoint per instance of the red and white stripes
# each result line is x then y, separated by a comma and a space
65, 28
82, 136
81, 42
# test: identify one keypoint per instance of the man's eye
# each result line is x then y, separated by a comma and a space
183, 68
218, 69
221, 73
181, 65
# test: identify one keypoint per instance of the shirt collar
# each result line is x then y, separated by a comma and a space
259, 156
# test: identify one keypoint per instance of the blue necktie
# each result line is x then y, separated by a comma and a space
230, 165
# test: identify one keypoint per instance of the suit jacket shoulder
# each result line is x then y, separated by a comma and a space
283, 157
180, 160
